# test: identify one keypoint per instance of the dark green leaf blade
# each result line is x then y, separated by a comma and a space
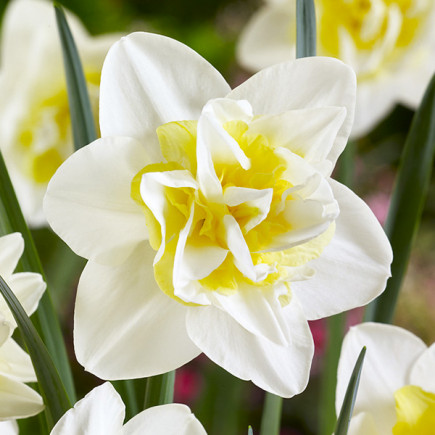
82, 119
52, 389
350, 396
305, 28
412, 184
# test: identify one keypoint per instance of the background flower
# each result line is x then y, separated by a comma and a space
198, 188
35, 128
17, 400
102, 412
397, 375
389, 44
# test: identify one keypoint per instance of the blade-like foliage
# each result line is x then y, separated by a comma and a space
159, 390
305, 28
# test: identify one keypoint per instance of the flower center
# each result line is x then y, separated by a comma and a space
43, 139
415, 409
236, 233
385, 27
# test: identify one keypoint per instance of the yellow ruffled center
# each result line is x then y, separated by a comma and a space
415, 410
371, 24
44, 137
267, 171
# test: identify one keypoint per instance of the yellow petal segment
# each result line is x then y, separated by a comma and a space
415, 410
264, 180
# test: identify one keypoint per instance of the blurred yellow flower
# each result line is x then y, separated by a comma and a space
35, 128
389, 43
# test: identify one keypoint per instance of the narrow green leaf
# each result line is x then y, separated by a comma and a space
350, 396
51, 387
250, 431
305, 28
82, 119
132, 392
159, 390
46, 322
407, 202
271, 418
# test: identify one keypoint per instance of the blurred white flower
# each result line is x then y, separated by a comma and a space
389, 43
102, 412
17, 400
396, 394
35, 128
248, 235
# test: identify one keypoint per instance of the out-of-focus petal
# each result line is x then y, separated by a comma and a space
15, 363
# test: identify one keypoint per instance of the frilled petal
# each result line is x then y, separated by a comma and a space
17, 400
171, 419
149, 80
354, 267
423, 373
311, 82
11, 249
282, 370
391, 353
88, 200
15, 363
125, 326
268, 39
100, 412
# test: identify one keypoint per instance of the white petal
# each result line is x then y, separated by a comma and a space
423, 373
100, 412
124, 325
354, 267
11, 249
267, 39
142, 87
17, 400
15, 363
9, 427
310, 133
88, 202
279, 369
391, 353
172, 419
310, 82
362, 424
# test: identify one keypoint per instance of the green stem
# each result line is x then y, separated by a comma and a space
159, 390
271, 418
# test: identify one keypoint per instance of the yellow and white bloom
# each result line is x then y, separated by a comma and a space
35, 128
396, 394
17, 400
389, 43
102, 412
210, 219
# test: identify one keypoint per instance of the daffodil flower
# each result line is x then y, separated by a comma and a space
35, 127
396, 394
389, 43
102, 412
17, 400
209, 218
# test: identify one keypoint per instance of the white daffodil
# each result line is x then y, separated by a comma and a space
35, 127
389, 43
17, 400
396, 394
209, 218
102, 412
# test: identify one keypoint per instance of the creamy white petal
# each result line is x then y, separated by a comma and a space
9, 427
171, 419
11, 249
363, 424
15, 363
310, 133
88, 202
423, 373
268, 37
391, 353
149, 80
282, 370
17, 400
354, 267
100, 412
305, 83
124, 325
